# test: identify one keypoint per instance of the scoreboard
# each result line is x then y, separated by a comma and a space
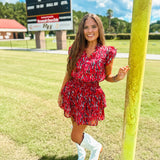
43, 15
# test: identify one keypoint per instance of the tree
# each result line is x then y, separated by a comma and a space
116, 24
14, 11
105, 23
1, 10
109, 16
20, 13
128, 30
75, 23
123, 27
155, 27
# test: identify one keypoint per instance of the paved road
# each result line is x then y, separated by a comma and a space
119, 55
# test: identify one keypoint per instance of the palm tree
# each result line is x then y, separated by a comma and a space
109, 16
75, 23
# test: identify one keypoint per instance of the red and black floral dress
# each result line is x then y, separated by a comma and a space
83, 98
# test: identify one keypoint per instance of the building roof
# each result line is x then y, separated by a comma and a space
11, 25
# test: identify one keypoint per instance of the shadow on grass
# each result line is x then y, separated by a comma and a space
75, 157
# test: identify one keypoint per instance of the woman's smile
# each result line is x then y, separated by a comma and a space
91, 32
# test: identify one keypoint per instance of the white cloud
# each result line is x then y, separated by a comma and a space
127, 17
117, 9
122, 18
128, 3
156, 13
78, 8
101, 3
9, 1
156, 3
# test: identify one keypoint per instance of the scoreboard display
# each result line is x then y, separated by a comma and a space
43, 15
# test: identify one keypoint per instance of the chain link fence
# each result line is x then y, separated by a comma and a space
49, 43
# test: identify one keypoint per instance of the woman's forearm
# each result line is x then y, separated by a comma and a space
119, 76
112, 78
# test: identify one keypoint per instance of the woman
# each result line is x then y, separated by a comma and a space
81, 97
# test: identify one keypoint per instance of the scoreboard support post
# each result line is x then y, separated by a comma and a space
61, 38
40, 40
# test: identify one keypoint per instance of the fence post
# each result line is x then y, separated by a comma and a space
138, 46
11, 44
27, 44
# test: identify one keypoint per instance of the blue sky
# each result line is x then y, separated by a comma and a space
121, 8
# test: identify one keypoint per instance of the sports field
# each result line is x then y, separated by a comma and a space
33, 127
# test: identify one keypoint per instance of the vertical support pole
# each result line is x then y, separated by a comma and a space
40, 39
138, 46
61, 38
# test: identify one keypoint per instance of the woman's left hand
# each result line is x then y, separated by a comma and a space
122, 72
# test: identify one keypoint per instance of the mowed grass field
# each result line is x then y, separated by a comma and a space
121, 45
33, 127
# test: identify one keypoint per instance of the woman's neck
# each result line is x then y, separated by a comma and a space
91, 45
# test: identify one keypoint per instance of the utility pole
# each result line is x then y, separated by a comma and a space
138, 47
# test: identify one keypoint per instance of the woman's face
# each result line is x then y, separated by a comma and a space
91, 32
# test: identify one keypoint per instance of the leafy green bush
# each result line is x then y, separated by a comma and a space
120, 36
123, 36
154, 36
110, 36
71, 36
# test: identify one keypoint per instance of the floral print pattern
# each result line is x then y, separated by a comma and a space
83, 98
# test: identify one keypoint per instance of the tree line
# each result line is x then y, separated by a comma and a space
18, 12
15, 11
111, 25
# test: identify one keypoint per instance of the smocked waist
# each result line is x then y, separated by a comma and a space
84, 83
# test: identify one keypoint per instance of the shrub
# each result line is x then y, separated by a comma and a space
71, 36
110, 36
123, 36
120, 36
154, 36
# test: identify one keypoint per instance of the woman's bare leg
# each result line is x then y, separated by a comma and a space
84, 140
77, 132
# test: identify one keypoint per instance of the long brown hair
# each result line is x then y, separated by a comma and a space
80, 43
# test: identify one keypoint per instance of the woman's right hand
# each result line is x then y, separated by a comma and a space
60, 100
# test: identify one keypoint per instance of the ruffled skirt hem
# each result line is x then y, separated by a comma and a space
85, 102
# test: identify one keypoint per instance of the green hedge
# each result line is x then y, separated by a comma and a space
110, 36
154, 36
120, 36
71, 36
123, 36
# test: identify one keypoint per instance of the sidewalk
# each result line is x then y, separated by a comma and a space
119, 55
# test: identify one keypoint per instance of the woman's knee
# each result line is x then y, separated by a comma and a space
76, 137
77, 133
72, 137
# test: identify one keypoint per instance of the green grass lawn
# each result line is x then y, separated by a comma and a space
33, 127
121, 45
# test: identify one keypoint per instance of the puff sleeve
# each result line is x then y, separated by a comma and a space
110, 54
